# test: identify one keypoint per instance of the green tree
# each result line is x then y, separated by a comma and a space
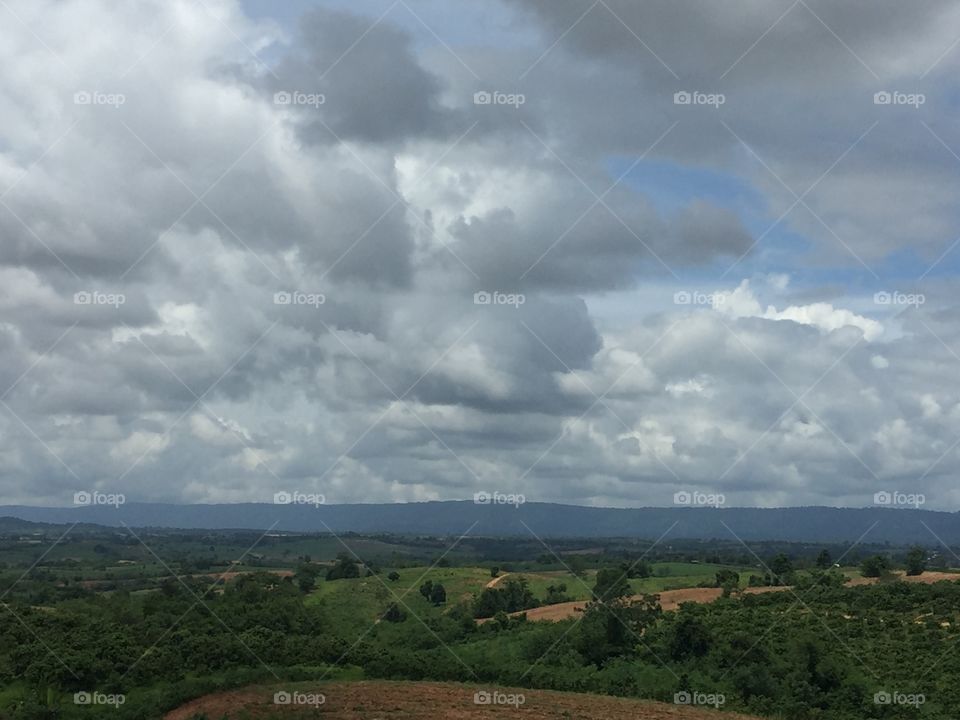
614, 627
577, 564
438, 594
556, 594
916, 561
426, 589
512, 595
345, 567
729, 580
824, 560
611, 583
690, 638
306, 577
393, 576
782, 569
394, 614
874, 566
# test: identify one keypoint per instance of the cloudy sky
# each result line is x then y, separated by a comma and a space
591, 252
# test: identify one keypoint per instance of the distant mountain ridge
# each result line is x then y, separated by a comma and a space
796, 524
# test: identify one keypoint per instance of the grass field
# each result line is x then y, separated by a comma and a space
360, 601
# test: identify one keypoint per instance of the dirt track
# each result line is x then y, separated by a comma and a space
496, 580
433, 701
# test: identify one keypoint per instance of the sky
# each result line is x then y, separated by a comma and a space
602, 253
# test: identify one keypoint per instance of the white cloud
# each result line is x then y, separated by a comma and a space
742, 302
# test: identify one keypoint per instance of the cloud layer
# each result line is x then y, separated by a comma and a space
358, 254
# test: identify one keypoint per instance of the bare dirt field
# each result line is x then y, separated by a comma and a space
669, 600
928, 578
672, 599
436, 701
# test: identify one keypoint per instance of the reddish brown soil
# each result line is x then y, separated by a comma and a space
672, 599
669, 600
928, 578
434, 701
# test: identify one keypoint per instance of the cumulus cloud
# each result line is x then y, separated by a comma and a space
742, 302
253, 254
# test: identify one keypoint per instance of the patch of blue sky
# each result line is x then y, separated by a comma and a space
671, 186
431, 23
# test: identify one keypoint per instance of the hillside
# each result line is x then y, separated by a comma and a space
436, 701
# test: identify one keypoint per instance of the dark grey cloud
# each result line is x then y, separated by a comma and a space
373, 87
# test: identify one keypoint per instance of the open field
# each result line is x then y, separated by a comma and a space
930, 576
672, 599
436, 701
669, 600
365, 599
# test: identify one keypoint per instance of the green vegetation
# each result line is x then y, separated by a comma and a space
874, 567
158, 636
509, 596
916, 561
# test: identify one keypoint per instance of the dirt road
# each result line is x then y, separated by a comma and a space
497, 579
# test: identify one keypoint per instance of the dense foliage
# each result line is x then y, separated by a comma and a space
819, 650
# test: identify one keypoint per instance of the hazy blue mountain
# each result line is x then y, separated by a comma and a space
813, 524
